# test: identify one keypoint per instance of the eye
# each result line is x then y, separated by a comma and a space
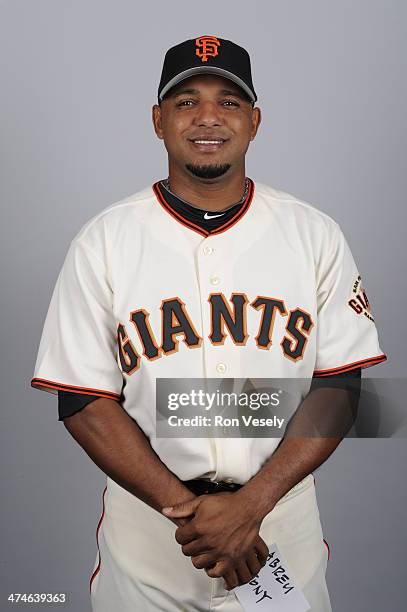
232, 102
184, 102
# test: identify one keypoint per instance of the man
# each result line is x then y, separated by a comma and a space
205, 275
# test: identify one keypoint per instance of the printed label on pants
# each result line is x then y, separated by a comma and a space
273, 588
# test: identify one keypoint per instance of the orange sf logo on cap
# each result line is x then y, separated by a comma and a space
206, 46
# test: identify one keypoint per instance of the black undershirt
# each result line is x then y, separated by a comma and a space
69, 403
197, 215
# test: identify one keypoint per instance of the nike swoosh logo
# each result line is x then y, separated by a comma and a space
206, 216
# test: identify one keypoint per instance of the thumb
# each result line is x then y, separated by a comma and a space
183, 509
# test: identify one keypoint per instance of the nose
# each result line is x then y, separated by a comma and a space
208, 114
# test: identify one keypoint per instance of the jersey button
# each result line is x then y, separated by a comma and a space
214, 280
208, 250
221, 368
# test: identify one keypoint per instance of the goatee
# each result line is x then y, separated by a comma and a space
209, 171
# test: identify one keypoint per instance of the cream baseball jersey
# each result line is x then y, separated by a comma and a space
144, 293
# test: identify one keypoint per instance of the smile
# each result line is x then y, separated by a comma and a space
208, 145
208, 142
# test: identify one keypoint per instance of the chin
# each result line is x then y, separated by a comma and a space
208, 170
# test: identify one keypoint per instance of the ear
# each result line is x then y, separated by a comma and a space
256, 120
157, 121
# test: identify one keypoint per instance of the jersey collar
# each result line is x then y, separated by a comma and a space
163, 201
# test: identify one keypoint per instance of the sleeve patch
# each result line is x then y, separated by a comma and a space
358, 300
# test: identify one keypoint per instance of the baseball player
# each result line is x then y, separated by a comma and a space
206, 274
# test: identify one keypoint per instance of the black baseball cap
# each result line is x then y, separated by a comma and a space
203, 55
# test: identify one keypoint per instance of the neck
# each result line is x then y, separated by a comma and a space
209, 194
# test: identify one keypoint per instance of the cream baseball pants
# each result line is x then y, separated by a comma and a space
140, 567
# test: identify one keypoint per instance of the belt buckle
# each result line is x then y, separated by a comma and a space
228, 486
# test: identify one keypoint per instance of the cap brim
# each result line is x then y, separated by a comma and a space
206, 70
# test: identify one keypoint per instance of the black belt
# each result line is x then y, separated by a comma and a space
200, 486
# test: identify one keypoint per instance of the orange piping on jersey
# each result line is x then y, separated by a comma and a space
97, 541
238, 215
39, 383
364, 363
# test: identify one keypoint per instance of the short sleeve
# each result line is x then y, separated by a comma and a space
78, 347
347, 337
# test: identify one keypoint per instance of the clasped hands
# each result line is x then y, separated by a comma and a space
220, 532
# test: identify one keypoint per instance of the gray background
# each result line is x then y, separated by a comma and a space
78, 79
